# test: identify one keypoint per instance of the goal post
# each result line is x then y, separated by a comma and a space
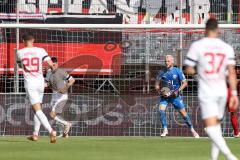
115, 67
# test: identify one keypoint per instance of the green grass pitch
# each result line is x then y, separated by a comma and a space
110, 148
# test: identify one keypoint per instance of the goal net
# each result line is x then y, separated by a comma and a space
115, 68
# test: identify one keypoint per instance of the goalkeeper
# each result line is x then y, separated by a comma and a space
172, 82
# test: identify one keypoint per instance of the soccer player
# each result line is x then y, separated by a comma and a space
30, 59
60, 81
213, 58
174, 79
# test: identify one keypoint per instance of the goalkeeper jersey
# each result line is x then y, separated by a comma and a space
171, 78
211, 56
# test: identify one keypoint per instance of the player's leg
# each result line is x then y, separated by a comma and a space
188, 121
35, 96
31, 91
213, 129
44, 121
233, 117
178, 104
212, 112
67, 125
57, 118
234, 121
37, 125
186, 117
163, 117
214, 151
57, 107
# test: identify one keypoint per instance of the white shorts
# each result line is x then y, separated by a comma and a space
213, 107
35, 92
58, 102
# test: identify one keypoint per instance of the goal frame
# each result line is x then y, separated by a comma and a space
118, 26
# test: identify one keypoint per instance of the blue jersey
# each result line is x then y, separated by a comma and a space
171, 78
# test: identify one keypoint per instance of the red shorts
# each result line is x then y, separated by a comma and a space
228, 98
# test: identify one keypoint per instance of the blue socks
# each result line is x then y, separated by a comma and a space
188, 121
163, 118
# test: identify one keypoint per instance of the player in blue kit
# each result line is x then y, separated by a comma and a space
172, 81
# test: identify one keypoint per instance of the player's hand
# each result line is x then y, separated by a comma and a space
233, 102
157, 87
175, 93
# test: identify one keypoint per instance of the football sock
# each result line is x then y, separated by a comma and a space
188, 121
214, 152
163, 118
60, 120
234, 121
37, 125
44, 121
215, 134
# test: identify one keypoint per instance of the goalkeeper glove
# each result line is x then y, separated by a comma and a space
175, 93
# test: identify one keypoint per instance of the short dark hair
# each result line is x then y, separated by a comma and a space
27, 36
54, 59
211, 24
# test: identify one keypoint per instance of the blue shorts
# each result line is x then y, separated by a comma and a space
176, 102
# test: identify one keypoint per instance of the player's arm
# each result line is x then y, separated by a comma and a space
232, 79
183, 85
50, 63
18, 61
47, 59
183, 81
47, 78
70, 81
191, 60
